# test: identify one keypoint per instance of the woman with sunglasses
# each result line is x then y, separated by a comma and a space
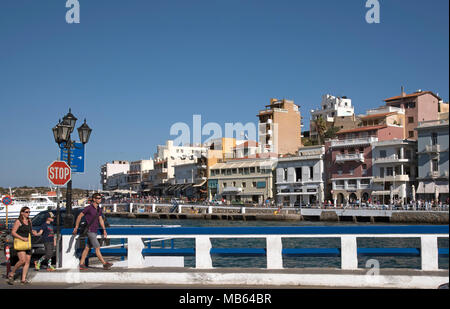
22, 229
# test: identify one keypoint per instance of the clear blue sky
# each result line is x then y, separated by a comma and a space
133, 68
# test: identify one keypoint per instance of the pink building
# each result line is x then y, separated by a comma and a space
349, 160
419, 106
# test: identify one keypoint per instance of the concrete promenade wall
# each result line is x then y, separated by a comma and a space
326, 215
324, 278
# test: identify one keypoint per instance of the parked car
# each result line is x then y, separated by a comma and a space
37, 245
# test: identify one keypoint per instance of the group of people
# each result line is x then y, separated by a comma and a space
23, 229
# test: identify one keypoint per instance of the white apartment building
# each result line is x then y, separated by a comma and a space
137, 170
167, 157
330, 108
394, 170
117, 182
109, 169
300, 180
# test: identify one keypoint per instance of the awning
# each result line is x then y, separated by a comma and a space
250, 193
229, 190
297, 193
430, 187
385, 192
200, 184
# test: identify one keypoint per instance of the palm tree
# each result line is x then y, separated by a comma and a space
321, 128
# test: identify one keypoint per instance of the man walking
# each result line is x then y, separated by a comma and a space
93, 214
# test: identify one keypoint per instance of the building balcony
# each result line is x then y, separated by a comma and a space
392, 178
433, 148
350, 157
391, 159
353, 142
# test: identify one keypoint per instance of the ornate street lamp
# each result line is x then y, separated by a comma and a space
61, 134
84, 132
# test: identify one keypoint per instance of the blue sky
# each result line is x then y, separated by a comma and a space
133, 68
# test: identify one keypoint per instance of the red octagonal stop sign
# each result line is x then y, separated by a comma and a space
59, 173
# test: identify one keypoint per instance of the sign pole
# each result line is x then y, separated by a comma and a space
58, 228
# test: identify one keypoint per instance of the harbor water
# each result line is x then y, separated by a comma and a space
288, 262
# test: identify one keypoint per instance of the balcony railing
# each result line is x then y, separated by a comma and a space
352, 142
390, 159
433, 148
350, 157
392, 178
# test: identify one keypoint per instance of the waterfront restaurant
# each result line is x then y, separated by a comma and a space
243, 180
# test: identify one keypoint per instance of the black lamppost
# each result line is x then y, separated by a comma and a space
61, 133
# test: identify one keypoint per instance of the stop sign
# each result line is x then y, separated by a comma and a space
59, 173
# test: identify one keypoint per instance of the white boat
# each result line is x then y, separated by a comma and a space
37, 203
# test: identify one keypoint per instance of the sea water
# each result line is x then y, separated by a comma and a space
288, 262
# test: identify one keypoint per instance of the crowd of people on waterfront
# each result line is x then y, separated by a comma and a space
418, 205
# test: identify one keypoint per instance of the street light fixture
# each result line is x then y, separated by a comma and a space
84, 132
61, 134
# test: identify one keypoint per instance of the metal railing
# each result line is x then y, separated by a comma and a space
274, 251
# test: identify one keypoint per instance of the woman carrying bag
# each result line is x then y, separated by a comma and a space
21, 232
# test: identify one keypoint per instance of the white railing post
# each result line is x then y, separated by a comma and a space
179, 209
274, 247
429, 252
115, 208
210, 211
349, 253
202, 252
242, 210
153, 208
135, 246
131, 208
69, 259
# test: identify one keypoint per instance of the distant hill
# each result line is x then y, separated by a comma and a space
27, 191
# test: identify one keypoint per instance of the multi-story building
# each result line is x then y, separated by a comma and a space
190, 180
394, 170
349, 157
419, 106
246, 149
117, 182
135, 174
280, 127
300, 178
246, 180
166, 158
433, 156
109, 169
333, 108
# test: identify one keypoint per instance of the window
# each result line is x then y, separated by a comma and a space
339, 171
234, 170
311, 172
382, 153
244, 185
298, 174
435, 165
228, 171
285, 174
224, 185
364, 169
234, 183
381, 172
351, 171
252, 170
410, 119
410, 133
389, 171
254, 184
434, 138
